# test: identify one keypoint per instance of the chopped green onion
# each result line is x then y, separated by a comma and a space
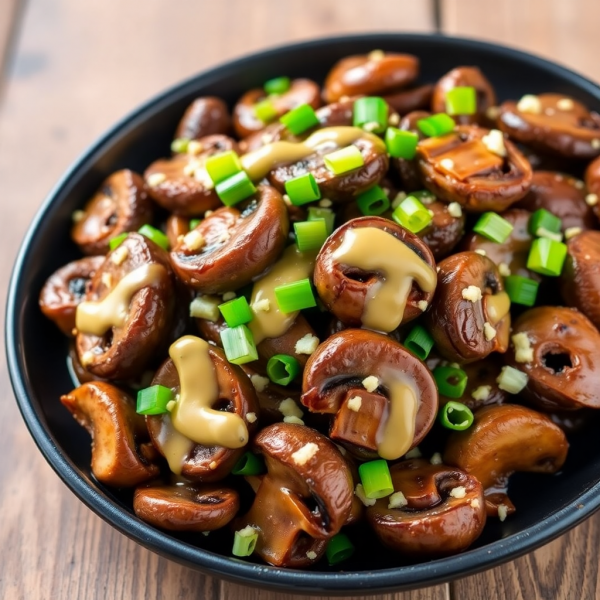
221, 166
299, 119
451, 381
436, 125
544, 219
376, 479
236, 312
282, 369
370, 113
461, 100
521, 290
419, 342
310, 235
302, 189
344, 160
401, 144
278, 85
339, 548
456, 416
512, 380
493, 227
117, 240
236, 188
153, 400
194, 223
157, 236
373, 202
180, 145
315, 213
249, 464
412, 215
547, 257
244, 541
295, 296
265, 111
238, 344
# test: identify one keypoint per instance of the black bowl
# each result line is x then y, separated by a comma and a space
547, 506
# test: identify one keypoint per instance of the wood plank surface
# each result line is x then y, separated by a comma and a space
8, 14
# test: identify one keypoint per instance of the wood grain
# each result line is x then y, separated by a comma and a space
8, 14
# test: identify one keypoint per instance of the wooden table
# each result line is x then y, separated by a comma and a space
72, 68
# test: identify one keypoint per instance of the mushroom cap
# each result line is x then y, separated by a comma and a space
205, 116
592, 181
406, 101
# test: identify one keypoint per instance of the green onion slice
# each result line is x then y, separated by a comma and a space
310, 235
315, 213
370, 113
277, 85
295, 296
451, 381
117, 240
249, 464
180, 145
265, 111
436, 125
339, 548
456, 416
239, 345
157, 236
343, 160
493, 227
236, 188
222, 166
412, 215
547, 257
194, 223
521, 290
419, 342
545, 220
299, 119
401, 144
302, 189
282, 369
244, 541
236, 312
512, 380
376, 479
461, 100
153, 400
373, 202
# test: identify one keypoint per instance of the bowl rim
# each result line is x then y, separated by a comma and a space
403, 577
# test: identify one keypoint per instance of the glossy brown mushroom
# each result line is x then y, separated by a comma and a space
580, 277
118, 433
372, 74
553, 123
186, 507
406, 101
175, 228
469, 317
194, 461
444, 511
204, 116
65, 289
502, 440
459, 167
120, 205
563, 367
181, 184
398, 395
301, 91
303, 500
592, 181
120, 347
234, 245
375, 273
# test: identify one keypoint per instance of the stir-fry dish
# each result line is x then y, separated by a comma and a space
272, 323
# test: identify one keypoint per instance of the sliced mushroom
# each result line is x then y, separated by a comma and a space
203, 117
502, 440
470, 314
383, 399
552, 123
375, 73
580, 278
120, 205
181, 184
559, 356
374, 273
442, 511
407, 101
592, 181
128, 310
186, 507
460, 167
118, 433
303, 500
65, 289
232, 246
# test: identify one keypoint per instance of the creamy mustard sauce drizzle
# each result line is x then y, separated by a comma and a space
192, 415
96, 318
496, 307
373, 249
292, 266
259, 163
174, 445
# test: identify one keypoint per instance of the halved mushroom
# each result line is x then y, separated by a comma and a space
120, 457
203, 117
442, 511
232, 246
470, 313
580, 278
181, 184
473, 167
128, 310
65, 289
186, 507
120, 205
383, 399
502, 440
592, 181
557, 348
215, 413
552, 123
374, 273
370, 74
303, 500
407, 101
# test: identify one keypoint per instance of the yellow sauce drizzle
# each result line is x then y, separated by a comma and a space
496, 306
175, 446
